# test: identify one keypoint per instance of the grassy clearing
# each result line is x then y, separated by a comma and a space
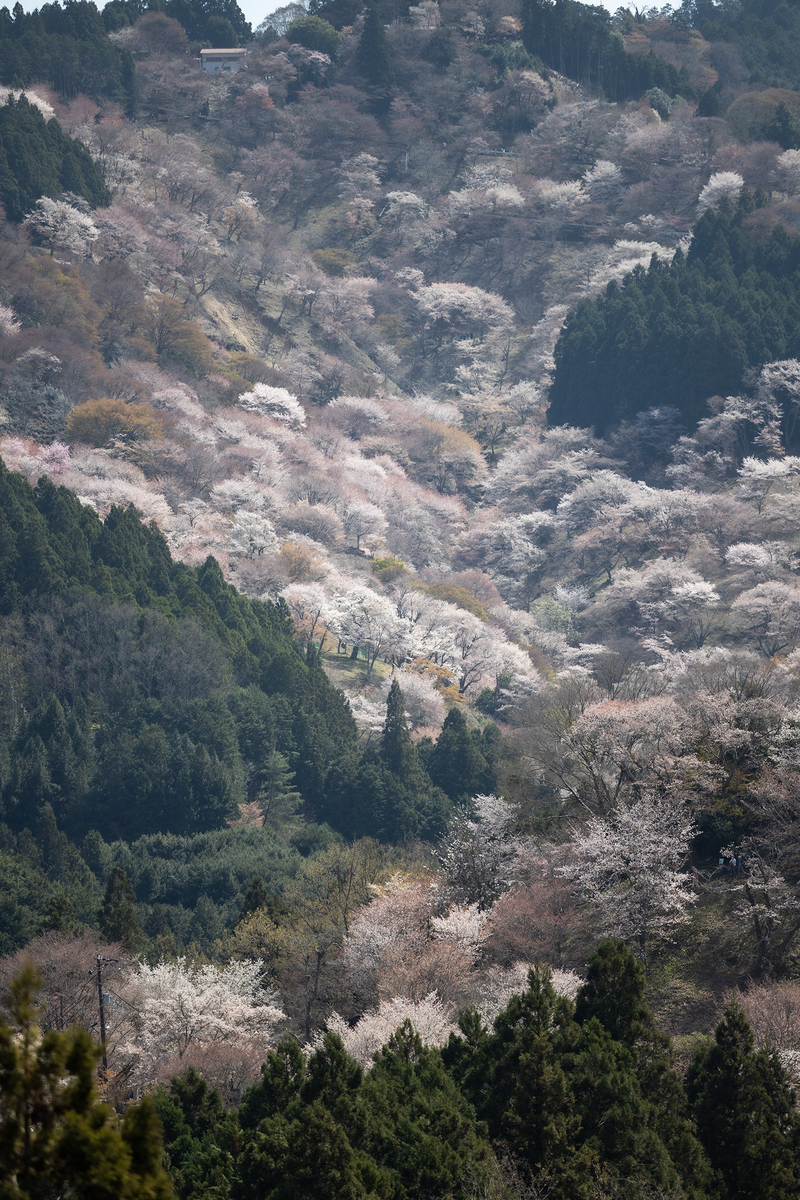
351, 674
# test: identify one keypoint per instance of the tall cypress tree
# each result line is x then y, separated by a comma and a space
397, 749
745, 1113
374, 56
116, 917
412, 806
456, 764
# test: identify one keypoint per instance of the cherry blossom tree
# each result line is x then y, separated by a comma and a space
455, 311
773, 1013
630, 865
401, 944
666, 594
756, 563
543, 466
723, 184
400, 207
252, 534
367, 622
361, 519
429, 1016
779, 384
177, 1005
425, 707
603, 181
308, 605
541, 918
770, 613
69, 985
498, 984
760, 477
9, 325
61, 225
512, 551
690, 610
613, 749
398, 915
478, 854
275, 402
359, 176
787, 170
343, 305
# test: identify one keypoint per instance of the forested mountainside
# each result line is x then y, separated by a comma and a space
399, 478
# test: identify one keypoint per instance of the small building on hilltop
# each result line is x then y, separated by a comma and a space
214, 61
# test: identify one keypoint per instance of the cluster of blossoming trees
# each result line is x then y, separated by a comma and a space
317, 346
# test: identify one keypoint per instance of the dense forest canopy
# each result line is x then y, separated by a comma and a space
578, 40
38, 159
681, 332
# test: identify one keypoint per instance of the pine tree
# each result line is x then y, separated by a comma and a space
116, 917
373, 55
277, 800
255, 897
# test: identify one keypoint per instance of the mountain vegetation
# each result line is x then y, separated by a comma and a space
399, 623
679, 333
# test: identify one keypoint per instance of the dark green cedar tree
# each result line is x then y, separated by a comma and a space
456, 763
373, 55
116, 917
745, 1113
677, 333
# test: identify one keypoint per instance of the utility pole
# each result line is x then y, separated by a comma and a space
102, 1011
100, 961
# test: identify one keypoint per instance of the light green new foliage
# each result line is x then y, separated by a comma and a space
277, 799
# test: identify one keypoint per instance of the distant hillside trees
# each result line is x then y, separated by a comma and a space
216, 22
577, 40
766, 36
67, 48
682, 331
38, 159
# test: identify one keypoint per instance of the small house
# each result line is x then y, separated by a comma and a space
214, 61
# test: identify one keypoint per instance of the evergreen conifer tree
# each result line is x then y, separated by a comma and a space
56, 1138
410, 806
373, 55
614, 993
116, 918
745, 1113
456, 764
255, 897
59, 915
397, 749
277, 799
613, 996
784, 128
